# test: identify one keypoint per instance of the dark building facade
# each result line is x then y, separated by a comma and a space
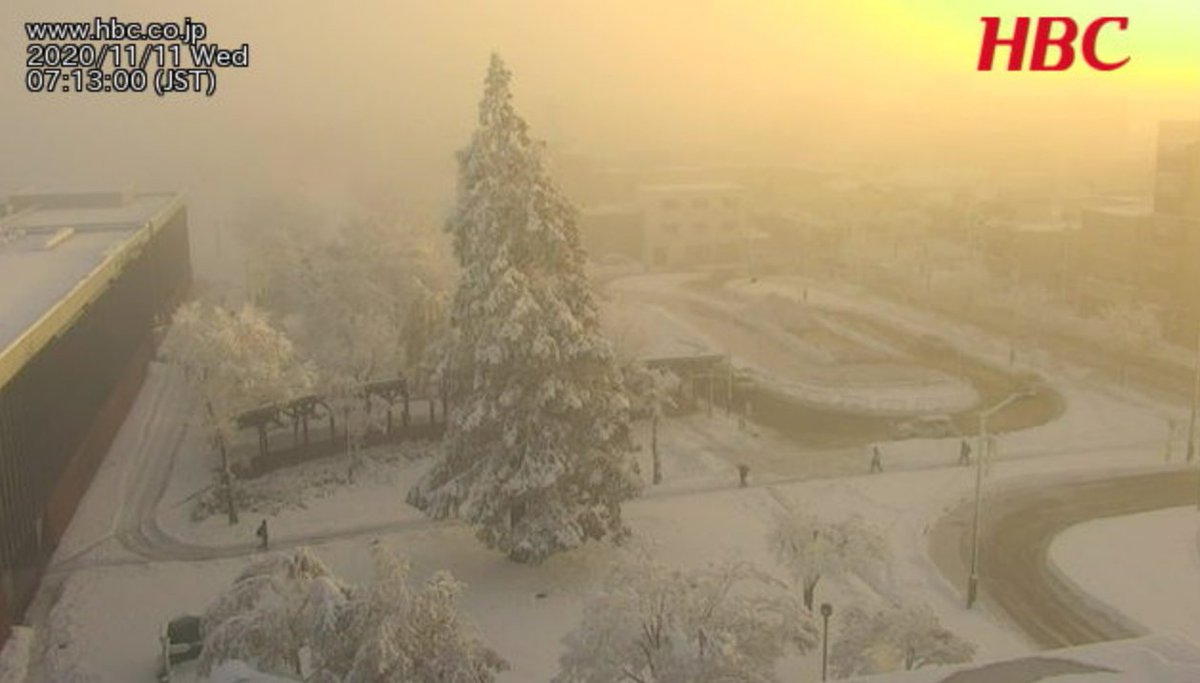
99, 271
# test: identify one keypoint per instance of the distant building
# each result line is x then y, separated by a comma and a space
1177, 221
613, 229
1117, 262
693, 224
1136, 252
87, 278
1177, 169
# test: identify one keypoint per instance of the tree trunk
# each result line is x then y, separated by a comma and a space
810, 590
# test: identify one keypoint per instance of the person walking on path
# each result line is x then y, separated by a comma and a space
876, 459
263, 541
743, 475
964, 453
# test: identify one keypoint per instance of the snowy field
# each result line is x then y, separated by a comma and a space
1146, 566
798, 351
698, 520
105, 624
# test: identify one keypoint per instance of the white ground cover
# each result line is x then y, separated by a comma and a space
104, 626
14, 657
1146, 566
822, 364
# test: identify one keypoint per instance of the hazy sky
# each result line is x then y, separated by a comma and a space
362, 97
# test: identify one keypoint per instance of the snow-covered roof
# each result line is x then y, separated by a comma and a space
52, 244
1161, 659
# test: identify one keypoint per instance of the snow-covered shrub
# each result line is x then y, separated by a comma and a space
893, 637
727, 624
288, 614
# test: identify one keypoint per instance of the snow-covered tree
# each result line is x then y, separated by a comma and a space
811, 549
288, 614
537, 449
892, 637
273, 611
235, 361
1131, 331
727, 624
652, 392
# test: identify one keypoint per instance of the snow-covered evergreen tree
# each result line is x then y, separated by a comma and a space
537, 451
811, 549
894, 637
288, 614
727, 624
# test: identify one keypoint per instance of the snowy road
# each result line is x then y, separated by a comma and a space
1020, 523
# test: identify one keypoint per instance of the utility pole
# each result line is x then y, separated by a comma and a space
983, 448
1191, 443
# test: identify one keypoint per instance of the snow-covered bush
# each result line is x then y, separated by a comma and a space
811, 549
537, 447
727, 624
289, 615
893, 637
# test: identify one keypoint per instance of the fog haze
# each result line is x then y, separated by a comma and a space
351, 102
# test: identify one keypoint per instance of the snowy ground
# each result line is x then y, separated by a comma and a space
105, 624
1146, 566
700, 516
798, 350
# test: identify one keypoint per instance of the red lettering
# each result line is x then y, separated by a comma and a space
992, 40
1042, 42
1089, 43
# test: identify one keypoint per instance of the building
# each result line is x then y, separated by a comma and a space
1117, 258
613, 229
1147, 253
693, 224
1177, 221
1177, 169
87, 278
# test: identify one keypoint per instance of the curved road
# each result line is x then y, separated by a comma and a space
1018, 526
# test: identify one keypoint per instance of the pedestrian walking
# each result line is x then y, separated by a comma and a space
263, 541
876, 459
743, 475
964, 453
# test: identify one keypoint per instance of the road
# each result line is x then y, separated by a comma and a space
1019, 525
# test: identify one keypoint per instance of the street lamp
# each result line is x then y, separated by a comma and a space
1191, 443
826, 612
973, 578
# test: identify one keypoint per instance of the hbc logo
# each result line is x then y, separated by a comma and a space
1057, 32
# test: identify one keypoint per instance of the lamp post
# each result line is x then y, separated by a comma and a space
826, 612
1191, 442
973, 578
